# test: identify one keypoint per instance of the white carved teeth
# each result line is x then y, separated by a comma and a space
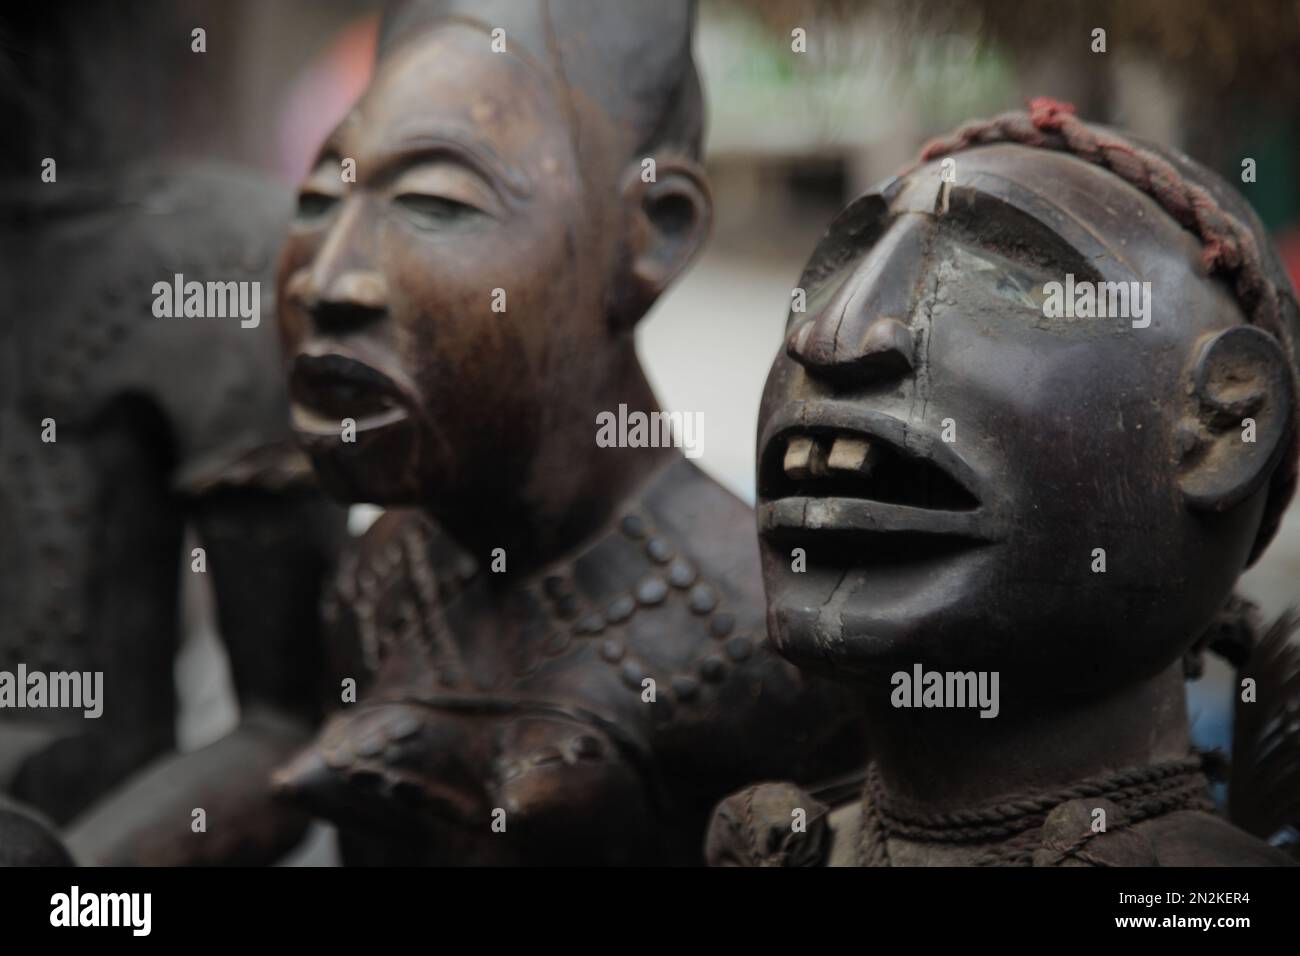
805, 458
851, 465
854, 456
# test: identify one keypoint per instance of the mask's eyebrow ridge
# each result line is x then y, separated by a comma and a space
479, 158
1052, 234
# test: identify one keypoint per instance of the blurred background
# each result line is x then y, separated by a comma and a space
791, 137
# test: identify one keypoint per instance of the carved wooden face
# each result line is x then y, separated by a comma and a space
957, 461
450, 301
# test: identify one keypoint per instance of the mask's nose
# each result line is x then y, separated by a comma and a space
863, 335
341, 289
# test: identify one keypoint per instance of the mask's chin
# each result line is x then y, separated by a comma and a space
866, 605
381, 466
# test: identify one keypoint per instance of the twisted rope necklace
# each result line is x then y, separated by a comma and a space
1143, 793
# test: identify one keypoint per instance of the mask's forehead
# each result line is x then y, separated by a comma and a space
629, 59
1054, 211
450, 85
1105, 221
1233, 242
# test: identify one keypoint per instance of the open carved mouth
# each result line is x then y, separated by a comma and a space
835, 464
326, 389
830, 467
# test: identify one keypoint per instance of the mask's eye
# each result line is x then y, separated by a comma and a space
435, 212
1009, 279
314, 205
320, 192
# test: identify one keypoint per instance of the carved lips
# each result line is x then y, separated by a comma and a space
833, 467
327, 388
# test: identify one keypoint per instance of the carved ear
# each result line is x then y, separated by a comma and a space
1245, 401
671, 217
